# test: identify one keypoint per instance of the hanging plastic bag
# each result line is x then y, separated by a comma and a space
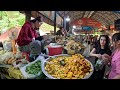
99, 64
7, 46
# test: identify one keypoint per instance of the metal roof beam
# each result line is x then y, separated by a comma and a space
100, 20
86, 14
106, 16
91, 12
103, 18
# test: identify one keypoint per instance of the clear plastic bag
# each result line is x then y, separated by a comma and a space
31, 76
99, 65
7, 46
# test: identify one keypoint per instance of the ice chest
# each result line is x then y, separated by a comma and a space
54, 50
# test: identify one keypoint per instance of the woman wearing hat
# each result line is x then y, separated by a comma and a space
28, 34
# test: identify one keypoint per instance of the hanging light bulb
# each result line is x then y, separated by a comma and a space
68, 19
74, 27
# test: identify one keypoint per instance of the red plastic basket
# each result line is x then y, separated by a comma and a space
55, 51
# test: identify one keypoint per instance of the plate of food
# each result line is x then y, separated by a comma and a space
67, 67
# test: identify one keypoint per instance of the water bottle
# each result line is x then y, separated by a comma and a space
99, 64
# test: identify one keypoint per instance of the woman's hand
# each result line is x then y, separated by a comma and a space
33, 39
107, 74
99, 56
117, 77
106, 57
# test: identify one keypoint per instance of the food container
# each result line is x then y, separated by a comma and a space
54, 49
51, 77
71, 52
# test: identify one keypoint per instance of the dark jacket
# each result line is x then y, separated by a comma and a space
59, 32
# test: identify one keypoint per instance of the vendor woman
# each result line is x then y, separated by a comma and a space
28, 34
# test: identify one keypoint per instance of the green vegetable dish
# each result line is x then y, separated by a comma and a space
34, 68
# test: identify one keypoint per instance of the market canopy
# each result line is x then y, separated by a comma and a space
106, 18
97, 19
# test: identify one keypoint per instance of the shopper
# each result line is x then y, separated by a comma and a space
86, 52
28, 34
61, 32
101, 48
95, 41
115, 58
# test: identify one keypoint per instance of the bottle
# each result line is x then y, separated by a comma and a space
99, 64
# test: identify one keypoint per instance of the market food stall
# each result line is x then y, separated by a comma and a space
17, 65
63, 59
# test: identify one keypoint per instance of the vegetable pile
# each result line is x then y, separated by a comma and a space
34, 68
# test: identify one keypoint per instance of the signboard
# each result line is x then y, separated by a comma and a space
77, 31
79, 27
86, 22
117, 24
87, 28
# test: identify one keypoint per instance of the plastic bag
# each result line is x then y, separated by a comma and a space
1, 52
87, 50
5, 57
15, 73
99, 65
18, 55
20, 63
7, 46
31, 76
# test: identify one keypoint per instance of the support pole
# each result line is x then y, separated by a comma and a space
55, 23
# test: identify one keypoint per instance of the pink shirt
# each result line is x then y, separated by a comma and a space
115, 63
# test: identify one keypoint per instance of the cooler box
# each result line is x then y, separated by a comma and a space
54, 50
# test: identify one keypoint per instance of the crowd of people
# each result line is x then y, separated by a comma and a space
107, 49
102, 51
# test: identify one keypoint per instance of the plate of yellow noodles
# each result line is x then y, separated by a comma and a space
67, 67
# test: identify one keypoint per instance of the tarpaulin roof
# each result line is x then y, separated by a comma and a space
104, 17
